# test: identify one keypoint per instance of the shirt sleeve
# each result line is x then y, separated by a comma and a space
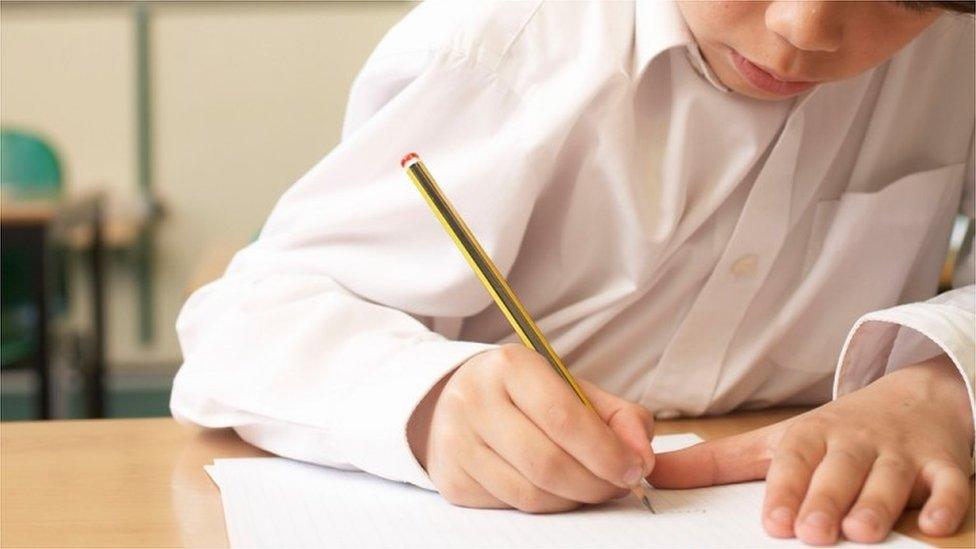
884, 341
316, 344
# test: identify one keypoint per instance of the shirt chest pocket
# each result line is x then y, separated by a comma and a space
861, 251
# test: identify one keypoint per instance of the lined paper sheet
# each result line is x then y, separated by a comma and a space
275, 502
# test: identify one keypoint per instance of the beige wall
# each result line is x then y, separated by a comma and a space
246, 97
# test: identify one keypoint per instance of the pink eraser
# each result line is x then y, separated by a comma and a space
408, 158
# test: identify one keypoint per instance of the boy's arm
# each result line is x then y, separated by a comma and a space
885, 341
316, 343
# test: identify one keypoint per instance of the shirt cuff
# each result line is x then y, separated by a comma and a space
884, 341
375, 439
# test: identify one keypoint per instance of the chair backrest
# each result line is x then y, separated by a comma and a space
29, 167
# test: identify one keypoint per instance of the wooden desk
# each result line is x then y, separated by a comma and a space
116, 233
140, 482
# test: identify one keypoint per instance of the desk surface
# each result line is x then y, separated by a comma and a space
22, 213
116, 232
140, 482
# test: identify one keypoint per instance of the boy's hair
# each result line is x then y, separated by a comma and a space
959, 6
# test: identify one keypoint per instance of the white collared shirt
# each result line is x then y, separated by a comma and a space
682, 246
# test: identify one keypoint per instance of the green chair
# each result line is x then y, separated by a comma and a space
29, 170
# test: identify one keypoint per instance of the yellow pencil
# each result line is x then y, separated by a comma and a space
496, 284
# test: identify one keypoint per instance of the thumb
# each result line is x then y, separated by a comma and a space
722, 461
631, 422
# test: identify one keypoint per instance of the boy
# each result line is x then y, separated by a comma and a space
702, 205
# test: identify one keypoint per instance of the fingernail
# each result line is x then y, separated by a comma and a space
818, 520
940, 517
781, 515
867, 517
633, 475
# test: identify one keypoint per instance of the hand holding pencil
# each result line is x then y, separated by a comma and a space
512, 427
504, 431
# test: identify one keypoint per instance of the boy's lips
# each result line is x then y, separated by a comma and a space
763, 80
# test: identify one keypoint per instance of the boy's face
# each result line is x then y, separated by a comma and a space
774, 50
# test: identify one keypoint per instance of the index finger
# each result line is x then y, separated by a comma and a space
551, 404
721, 461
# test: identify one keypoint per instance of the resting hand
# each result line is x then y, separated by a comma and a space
506, 431
854, 464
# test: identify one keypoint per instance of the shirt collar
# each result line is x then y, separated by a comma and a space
704, 70
659, 27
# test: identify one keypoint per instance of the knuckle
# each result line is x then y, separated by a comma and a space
642, 413
783, 497
827, 502
495, 366
456, 397
510, 363
787, 495
796, 450
454, 489
510, 354
546, 468
863, 432
450, 442
812, 424
559, 418
790, 456
792, 437
605, 492
897, 464
900, 440
945, 465
530, 499
521, 358
881, 509
948, 469
852, 458
935, 467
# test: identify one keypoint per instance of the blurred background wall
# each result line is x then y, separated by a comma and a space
244, 98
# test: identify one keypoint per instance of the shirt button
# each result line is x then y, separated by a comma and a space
745, 266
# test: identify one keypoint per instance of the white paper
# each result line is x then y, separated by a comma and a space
275, 502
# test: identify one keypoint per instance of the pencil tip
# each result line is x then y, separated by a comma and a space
647, 503
642, 491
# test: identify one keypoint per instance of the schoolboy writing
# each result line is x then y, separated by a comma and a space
706, 206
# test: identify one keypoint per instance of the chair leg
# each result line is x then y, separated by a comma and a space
95, 390
39, 260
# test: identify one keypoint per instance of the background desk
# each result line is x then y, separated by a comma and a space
140, 483
35, 227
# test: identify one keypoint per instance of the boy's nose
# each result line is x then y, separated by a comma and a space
807, 25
